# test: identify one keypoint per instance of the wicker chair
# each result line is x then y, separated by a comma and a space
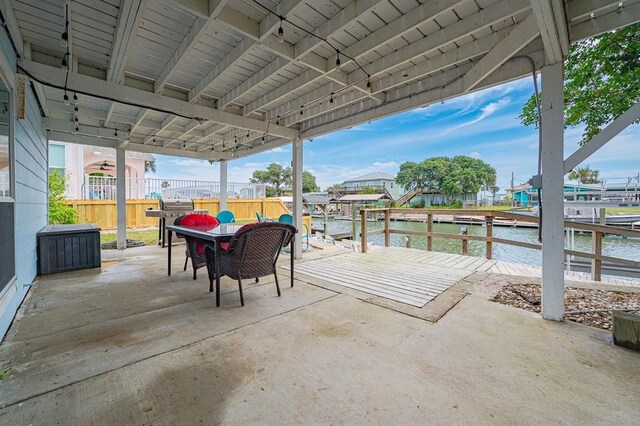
198, 260
252, 253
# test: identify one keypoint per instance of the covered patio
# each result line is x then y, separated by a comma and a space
128, 345
220, 80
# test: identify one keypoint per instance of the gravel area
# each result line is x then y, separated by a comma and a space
578, 302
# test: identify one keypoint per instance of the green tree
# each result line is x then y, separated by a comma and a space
150, 166
275, 176
494, 190
309, 183
59, 211
602, 81
450, 176
165, 184
584, 175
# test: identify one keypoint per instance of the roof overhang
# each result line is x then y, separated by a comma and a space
210, 79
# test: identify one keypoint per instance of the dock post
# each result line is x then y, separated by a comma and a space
363, 230
430, 231
489, 244
596, 264
387, 233
465, 242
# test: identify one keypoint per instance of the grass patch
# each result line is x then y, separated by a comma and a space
3, 373
624, 211
147, 236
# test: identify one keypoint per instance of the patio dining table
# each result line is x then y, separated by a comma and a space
216, 234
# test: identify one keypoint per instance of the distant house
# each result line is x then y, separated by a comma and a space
526, 196
91, 169
381, 183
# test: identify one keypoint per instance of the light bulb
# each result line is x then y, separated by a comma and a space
281, 33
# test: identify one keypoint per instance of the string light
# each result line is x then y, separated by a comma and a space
75, 97
301, 112
66, 98
277, 120
65, 64
77, 129
115, 133
281, 31
331, 98
64, 39
368, 82
338, 60
75, 108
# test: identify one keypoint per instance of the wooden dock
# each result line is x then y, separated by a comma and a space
415, 277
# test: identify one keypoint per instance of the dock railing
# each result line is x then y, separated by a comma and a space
488, 217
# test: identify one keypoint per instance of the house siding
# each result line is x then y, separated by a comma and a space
29, 168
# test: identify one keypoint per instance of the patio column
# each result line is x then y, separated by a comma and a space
553, 192
121, 200
297, 194
223, 185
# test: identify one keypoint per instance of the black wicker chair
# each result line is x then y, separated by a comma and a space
198, 260
252, 253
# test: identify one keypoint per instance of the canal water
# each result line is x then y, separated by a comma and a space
628, 248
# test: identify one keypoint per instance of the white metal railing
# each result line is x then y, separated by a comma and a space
105, 188
5, 189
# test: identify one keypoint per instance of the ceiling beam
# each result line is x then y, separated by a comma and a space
605, 135
477, 21
70, 127
12, 25
582, 9
439, 87
99, 88
188, 43
252, 30
550, 33
336, 23
460, 55
618, 18
265, 27
520, 36
129, 19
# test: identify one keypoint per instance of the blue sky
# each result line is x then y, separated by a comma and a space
483, 125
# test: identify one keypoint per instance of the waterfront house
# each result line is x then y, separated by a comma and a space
628, 190
90, 170
376, 182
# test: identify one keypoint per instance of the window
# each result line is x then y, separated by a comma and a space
56, 159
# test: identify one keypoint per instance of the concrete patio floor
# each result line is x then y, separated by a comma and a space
129, 345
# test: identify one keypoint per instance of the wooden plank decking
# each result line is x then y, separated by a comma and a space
415, 277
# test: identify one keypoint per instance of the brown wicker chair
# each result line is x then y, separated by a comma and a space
252, 253
198, 260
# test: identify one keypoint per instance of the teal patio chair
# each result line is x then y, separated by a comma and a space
225, 216
263, 219
288, 219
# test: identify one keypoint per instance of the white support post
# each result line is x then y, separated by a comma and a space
121, 200
297, 194
553, 192
223, 185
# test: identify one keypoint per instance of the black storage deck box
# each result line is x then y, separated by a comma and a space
63, 248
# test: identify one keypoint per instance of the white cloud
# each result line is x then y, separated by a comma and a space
475, 154
486, 111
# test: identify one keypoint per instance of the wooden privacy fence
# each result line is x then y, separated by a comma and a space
103, 212
598, 232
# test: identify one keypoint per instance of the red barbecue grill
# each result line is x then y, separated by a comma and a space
172, 208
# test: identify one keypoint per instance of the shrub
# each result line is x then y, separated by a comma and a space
59, 211
418, 204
